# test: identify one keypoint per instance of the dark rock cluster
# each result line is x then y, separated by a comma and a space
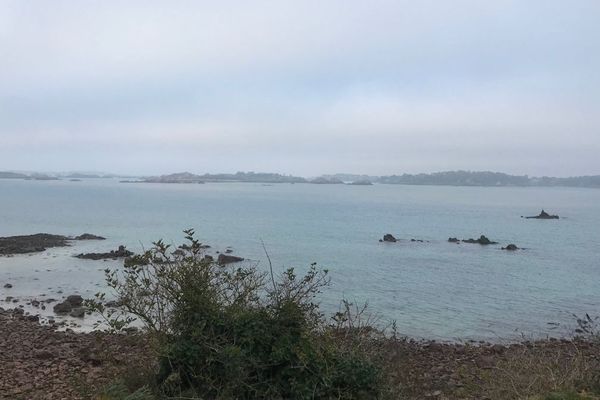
121, 252
38, 242
225, 259
543, 215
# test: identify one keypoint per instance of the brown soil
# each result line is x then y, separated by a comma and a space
37, 362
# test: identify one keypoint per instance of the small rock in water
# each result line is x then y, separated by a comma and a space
511, 247
75, 300
388, 237
8, 286
63, 308
543, 215
228, 259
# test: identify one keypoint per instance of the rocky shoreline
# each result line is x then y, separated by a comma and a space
38, 362
24, 244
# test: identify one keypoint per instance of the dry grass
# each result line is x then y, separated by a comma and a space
532, 371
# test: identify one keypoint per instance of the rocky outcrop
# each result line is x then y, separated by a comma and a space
453, 240
511, 247
544, 215
483, 240
89, 236
75, 300
121, 252
72, 304
31, 243
388, 237
62, 308
38, 242
225, 259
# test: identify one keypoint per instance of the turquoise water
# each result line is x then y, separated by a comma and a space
433, 289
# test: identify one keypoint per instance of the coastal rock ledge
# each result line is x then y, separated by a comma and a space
543, 215
24, 244
121, 252
483, 240
225, 259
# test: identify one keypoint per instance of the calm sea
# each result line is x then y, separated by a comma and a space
433, 289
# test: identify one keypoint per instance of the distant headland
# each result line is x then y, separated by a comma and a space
447, 178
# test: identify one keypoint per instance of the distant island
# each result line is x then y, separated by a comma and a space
326, 181
473, 178
41, 176
448, 178
187, 177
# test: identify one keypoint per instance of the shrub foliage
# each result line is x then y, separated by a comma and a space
237, 332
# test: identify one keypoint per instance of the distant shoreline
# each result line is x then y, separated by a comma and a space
448, 178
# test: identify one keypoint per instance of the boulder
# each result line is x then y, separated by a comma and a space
63, 308
8, 286
224, 259
388, 237
75, 300
511, 247
453, 240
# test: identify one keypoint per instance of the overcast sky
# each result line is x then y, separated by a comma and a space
302, 87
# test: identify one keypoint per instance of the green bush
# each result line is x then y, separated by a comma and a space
224, 332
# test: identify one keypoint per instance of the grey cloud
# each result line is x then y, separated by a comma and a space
301, 87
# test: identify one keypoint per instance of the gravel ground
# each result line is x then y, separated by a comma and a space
37, 362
